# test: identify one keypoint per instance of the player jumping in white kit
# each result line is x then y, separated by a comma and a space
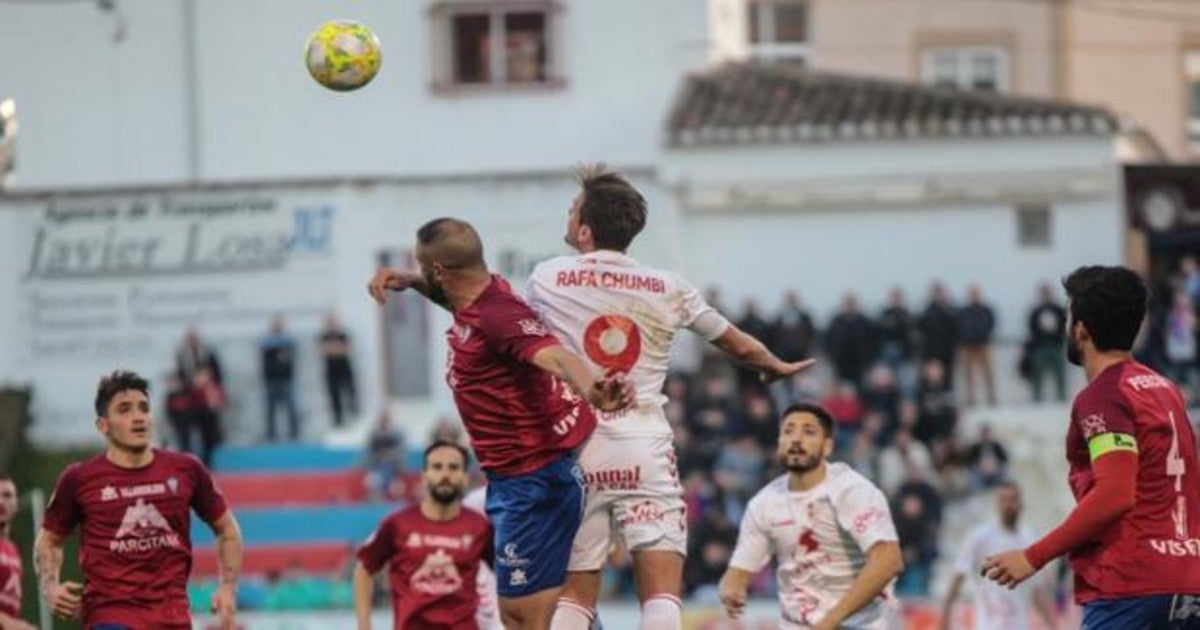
622, 316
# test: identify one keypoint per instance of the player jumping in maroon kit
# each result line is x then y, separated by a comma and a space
432, 550
1134, 538
10, 561
132, 505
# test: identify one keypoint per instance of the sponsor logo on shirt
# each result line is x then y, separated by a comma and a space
418, 540
1093, 425
615, 479
867, 519
143, 529
437, 575
564, 426
109, 493
1176, 548
640, 512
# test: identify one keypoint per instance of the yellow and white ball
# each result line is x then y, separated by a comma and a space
343, 55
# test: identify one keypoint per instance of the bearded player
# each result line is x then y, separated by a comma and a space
829, 529
521, 396
623, 316
1133, 540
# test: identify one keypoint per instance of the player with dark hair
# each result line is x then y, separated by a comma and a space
623, 316
132, 505
507, 373
829, 529
1133, 540
432, 549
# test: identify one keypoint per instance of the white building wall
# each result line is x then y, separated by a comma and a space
822, 255
97, 111
867, 216
61, 332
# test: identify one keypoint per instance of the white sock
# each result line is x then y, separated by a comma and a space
571, 615
662, 612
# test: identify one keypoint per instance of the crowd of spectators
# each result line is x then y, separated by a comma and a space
895, 381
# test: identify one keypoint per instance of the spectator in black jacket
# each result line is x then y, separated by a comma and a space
976, 323
986, 460
753, 324
278, 351
850, 342
339, 373
194, 355
897, 331
1047, 329
793, 332
938, 327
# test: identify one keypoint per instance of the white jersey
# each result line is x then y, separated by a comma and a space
996, 607
819, 539
621, 315
487, 616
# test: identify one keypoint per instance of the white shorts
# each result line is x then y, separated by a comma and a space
633, 492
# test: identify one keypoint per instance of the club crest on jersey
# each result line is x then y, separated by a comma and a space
173, 485
1093, 425
532, 327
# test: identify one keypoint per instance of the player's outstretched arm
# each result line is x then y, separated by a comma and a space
948, 604
229, 561
605, 394
394, 280
364, 587
733, 587
751, 353
64, 598
884, 563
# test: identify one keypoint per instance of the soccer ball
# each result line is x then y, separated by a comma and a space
343, 55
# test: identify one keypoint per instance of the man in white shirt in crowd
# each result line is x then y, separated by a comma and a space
998, 607
829, 529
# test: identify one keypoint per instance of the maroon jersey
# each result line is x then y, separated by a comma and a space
432, 566
135, 545
10, 579
519, 417
1155, 548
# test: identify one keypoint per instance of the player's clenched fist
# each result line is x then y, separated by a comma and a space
733, 597
386, 280
611, 393
65, 599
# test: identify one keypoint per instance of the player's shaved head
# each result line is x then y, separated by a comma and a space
452, 243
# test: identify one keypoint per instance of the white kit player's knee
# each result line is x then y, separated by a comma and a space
662, 612
571, 615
